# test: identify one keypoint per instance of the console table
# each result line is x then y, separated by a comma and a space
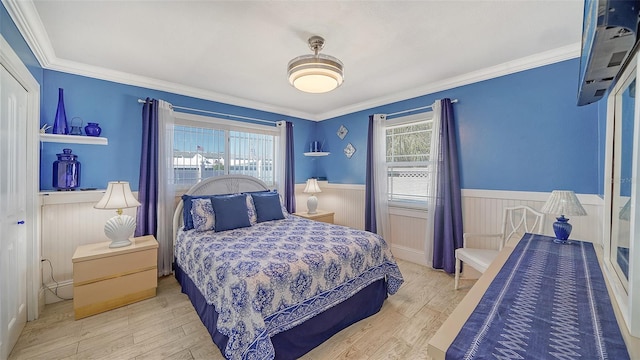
538, 299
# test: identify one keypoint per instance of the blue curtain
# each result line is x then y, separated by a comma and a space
289, 177
447, 227
147, 218
369, 190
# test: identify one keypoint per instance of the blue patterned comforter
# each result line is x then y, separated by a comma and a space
274, 275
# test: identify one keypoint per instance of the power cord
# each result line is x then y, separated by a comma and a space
53, 291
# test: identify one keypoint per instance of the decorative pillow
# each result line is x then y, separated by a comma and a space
267, 206
202, 214
231, 211
251, 207
251, 210
187, 200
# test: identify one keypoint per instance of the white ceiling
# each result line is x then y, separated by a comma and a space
237, 51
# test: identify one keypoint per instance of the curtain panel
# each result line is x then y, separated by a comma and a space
447, 213
376, 201
286, 171
156, 191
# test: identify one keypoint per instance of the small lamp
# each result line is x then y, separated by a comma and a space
312, 202
119, 228
563, 202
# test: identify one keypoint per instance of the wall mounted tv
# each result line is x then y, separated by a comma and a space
609, 32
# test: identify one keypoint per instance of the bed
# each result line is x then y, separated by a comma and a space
280, 286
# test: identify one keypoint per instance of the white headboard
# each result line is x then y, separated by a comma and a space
219, 185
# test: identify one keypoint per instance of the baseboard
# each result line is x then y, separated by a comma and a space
411, 255
65, 291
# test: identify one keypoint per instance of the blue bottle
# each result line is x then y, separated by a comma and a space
60, 125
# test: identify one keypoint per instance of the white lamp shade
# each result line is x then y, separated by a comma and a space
563, 202
117, 196
312, 187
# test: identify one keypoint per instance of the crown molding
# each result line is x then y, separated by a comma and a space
27, 19
161, 85
526, 63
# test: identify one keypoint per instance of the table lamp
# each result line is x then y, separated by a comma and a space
563, 202
312, 202
119, 228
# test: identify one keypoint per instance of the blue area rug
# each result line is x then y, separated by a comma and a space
549, 301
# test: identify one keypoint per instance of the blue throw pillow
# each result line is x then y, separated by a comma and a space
267, 206
231, 211
187, 218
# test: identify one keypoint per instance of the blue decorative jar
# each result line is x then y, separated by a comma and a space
60, 125
92, 129
66, 171
562, 229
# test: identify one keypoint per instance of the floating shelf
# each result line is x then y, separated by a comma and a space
317, 153
74, 139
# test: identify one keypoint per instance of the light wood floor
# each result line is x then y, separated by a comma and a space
167, 327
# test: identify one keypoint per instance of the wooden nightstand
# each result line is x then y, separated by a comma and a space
105, 278
320, 215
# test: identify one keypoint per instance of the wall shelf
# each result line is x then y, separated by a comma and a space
74, 139
317, 153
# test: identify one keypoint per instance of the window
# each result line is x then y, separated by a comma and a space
204, 147
409, 170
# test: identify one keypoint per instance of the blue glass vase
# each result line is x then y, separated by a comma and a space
92, 129
60, 125
66, 171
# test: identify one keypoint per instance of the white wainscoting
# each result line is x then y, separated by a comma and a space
346, 200
482, 213
69, 220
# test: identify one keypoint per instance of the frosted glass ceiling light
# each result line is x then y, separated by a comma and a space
315, 73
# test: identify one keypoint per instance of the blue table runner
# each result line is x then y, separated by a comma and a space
549, 301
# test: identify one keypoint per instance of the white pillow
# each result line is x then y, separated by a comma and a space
203, 216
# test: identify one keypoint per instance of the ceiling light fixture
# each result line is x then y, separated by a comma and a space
316, 73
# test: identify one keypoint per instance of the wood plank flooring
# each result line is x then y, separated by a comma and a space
167, 327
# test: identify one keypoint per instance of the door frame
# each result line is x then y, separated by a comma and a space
10, 60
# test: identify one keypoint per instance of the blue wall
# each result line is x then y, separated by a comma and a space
115, 107
521, 132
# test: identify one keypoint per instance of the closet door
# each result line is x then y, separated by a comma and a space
13, 233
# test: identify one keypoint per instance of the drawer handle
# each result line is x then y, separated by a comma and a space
21, 222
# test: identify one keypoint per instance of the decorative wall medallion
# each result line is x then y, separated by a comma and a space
342, 132
349, 150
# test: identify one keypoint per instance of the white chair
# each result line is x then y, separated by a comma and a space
517, 221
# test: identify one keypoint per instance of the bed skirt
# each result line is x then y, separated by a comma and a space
299, 340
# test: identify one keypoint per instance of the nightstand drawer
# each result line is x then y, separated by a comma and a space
328, 218
320, 215
109, 294
113, 266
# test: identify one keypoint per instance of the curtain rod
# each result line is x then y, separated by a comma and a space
418, 108
216, 113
